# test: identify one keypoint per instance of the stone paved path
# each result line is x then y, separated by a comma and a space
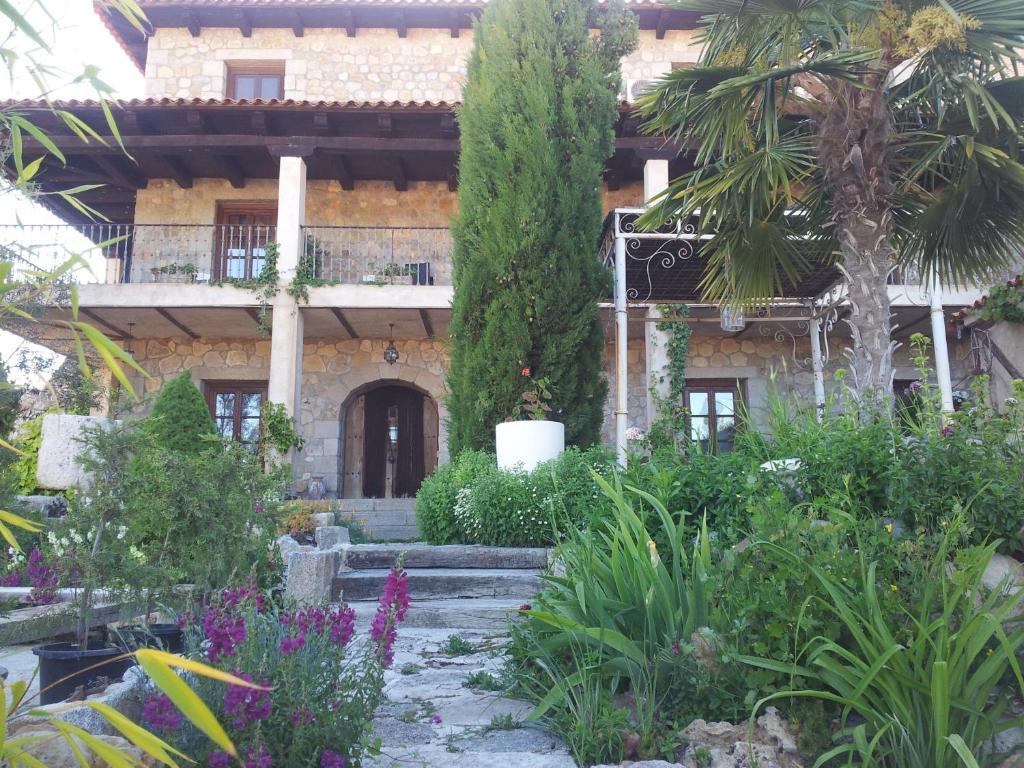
432, 720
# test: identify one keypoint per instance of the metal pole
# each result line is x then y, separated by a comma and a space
939, 340
621, 358
819, 369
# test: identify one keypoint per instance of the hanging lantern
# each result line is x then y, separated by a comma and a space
733, 319
391, 351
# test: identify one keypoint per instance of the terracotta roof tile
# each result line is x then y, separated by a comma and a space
432, 106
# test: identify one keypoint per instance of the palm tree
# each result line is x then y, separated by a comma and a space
864, 132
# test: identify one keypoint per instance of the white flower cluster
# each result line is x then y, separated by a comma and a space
467, 517
15, 557
72, 538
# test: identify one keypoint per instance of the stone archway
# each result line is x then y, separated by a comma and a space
364, 470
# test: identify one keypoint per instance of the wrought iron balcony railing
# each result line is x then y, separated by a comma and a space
197, 253
379, 255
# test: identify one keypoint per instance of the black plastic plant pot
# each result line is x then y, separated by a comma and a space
63, 667
166, 637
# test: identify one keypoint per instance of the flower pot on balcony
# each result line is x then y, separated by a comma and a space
525, 444
160, 276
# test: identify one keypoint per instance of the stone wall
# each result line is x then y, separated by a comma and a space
333, 371
375, 65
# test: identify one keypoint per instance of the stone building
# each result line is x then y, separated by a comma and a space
328, 128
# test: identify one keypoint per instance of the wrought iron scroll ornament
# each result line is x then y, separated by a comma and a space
675, 243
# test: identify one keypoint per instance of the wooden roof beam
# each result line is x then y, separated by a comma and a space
298, 28
166, 315
428, 326
179, 169
343, 172
340, 316
225, 142
453, 179
244, 24
119, 173
232, 169
662, 25
402, 24
348, 20
192, 23
399, 176
456, 23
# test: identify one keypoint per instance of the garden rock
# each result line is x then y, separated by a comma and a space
772, 745
644, 764
331, 536
311, 575
60, 447
1003, 571
54, 752
322, 519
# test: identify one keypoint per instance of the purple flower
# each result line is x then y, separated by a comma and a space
257, 757
219, 759
292, 644
43, 578
436, 719
224, 633
301, 716
331, 759
677, 648
342, 624
246, 705
392, 607
160, 713
12, 579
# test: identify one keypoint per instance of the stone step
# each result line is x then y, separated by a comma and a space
488, 614
447, 556
434, 583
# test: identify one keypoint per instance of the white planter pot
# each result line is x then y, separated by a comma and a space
525, 444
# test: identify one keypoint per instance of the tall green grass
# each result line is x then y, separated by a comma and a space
931, 692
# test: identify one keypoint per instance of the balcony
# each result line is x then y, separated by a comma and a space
235, 255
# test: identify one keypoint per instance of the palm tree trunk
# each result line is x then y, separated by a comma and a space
853, 148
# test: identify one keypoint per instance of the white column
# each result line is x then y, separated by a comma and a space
939, 340
621, 357
818, 366
657, 358
655, 179
285, 385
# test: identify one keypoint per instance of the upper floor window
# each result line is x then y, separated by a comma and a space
712, 407
256, 80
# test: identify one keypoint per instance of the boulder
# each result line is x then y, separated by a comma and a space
311, 575
322, 518
61, 445
724, 745
1003, 572
331, 536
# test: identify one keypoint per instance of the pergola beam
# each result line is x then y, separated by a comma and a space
428, 326
166, 315
340, 317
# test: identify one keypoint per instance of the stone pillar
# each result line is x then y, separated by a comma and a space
938, 318
655, 178
285, 385
657, 359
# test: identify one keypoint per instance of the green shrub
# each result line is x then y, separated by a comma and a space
435, 501
921, 689
23, 468
503, 509
181, 419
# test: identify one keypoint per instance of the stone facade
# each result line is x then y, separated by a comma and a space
375, 65
761, 363
332, 371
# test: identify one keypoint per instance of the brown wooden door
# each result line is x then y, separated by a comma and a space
408, 468
243, 231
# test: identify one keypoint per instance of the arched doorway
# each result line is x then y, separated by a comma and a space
389, 440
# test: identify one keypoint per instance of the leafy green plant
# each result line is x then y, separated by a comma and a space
921, 692
436, 498
279, 429
180, 419
536, 396
456, 645
483, 681
637, 604
26, 464
188, 268
1004, 302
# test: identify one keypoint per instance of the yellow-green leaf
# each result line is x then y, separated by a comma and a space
186, 700
196, 667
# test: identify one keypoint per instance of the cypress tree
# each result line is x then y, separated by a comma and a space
181, 420
536, 125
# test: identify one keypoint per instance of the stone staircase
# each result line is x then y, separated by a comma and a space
450, 586
386, 519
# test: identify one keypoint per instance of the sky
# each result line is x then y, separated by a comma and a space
77, 38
